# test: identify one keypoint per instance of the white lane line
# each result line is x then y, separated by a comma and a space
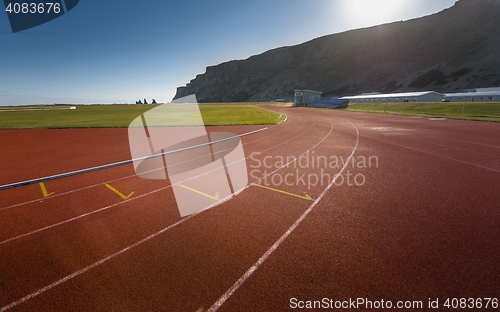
266, 255
140, 196
489, 145
70, 192
95, 264
130, 176
418, 150
78, 217
286, 116
453, 147
470, 142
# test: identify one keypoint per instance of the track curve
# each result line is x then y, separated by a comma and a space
404, 209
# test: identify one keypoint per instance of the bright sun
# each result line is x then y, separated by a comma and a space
363, 13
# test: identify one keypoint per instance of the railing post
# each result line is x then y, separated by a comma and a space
463, 108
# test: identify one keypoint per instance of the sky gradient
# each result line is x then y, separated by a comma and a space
117, 51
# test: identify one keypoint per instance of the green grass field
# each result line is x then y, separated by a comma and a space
105, 116
486, 111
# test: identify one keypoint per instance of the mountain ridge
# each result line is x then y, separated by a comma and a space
448, 51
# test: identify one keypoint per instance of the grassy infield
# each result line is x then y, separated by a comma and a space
96, 116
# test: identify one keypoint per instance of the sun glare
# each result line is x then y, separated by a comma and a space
362, 13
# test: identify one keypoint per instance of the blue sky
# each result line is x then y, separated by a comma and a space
119, 51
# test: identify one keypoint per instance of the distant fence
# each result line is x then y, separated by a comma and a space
481, 110
329, 103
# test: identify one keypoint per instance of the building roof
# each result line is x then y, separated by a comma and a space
473, 94
390, 95
487, 89
308, 91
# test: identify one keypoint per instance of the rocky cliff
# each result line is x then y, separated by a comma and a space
448, 51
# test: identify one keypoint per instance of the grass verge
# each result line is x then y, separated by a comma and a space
482, 111
117, 116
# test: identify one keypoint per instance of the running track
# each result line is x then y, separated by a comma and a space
425, 223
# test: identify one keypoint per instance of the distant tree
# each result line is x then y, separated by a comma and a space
154, 101
138, 102
145, 102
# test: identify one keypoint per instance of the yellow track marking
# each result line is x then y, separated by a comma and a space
44, 190
118, 192
307, 197
216, 197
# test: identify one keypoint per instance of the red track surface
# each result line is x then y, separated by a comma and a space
424, 224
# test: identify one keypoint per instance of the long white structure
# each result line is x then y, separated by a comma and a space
492, 96
426, 96
493, 89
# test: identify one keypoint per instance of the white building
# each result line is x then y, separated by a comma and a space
486, 89
426, 96
491, 96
